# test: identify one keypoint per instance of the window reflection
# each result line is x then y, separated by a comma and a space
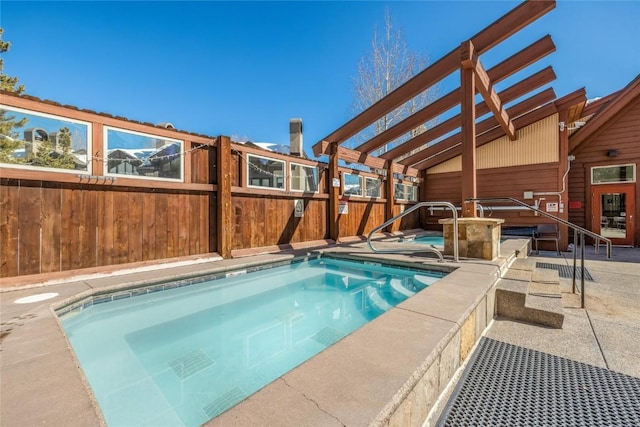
35, 139
133, 153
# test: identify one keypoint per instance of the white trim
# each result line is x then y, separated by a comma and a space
366, 186
361, 184
284, 168
88, 143
105, 154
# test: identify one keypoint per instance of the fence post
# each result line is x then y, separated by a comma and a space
224, 207
391, 196
334, 194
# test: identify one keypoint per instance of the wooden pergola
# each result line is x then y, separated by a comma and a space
474, 78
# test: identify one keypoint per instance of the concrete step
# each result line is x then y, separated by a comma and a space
530, 294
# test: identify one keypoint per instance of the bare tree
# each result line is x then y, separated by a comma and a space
387, 66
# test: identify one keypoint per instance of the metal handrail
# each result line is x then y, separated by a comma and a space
408, 211
577, 232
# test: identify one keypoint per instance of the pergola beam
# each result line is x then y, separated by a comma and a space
486, 125
544, 76
454, 148
352, 156
501, 29
503, 70
484, 85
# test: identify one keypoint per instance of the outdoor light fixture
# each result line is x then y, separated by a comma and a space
612, 153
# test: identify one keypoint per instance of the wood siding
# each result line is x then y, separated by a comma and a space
54, 220
268, 221
48, 227
496, 182
621, 133
535, 144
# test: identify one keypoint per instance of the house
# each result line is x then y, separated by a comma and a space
603, 180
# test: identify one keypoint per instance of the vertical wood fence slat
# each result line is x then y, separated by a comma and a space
136, 229
162, 238
51, 227
29, 224
149, 227
9, 214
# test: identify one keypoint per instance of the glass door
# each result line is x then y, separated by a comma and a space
613, 209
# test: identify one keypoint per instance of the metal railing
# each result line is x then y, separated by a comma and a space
578, 234
451, 207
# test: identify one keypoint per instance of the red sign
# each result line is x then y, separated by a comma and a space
575, 204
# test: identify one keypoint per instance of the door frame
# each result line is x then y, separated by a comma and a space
596, 209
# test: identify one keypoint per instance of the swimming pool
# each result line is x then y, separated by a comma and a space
183, 355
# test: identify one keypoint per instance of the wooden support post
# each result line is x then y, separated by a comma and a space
391, 199
563, 165
334, 193
423, 197
224, 206
468, 130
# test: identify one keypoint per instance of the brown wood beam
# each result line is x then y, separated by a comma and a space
572, 104
390, 195
224, 208
454, 149
334, 193
352, 156
519, 109
506, 68
447, 126
488, 92
468, 128
518, 18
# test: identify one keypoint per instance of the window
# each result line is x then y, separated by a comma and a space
142, 155
372, 187
28, 138
412, 193
265, 172
352, 185
400, 192
613, 174
304, 178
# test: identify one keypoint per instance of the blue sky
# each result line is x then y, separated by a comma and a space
244, 68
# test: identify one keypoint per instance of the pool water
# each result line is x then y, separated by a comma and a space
182, 356
430, 240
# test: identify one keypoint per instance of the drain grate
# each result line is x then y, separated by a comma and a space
565, 270
190, 363
328, 336
224, 402
506, 385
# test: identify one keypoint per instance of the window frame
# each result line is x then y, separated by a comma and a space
366, 187
361, 183
395, 191
317, 177
89, 143
105, 171
633, 168
275, 177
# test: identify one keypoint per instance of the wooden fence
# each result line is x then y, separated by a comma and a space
57, 220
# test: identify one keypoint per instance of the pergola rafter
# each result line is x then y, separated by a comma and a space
484, 85
498, 31
473, 78
508, 95
503, 70
482, 127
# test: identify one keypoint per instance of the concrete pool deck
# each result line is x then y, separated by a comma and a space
389, 372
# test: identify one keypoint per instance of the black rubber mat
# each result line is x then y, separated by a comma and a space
565, 271
507, 385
